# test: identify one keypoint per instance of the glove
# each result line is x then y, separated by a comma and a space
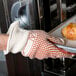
17, 38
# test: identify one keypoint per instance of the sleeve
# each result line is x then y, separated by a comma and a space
17, 38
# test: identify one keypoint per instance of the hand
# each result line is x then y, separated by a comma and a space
57, 40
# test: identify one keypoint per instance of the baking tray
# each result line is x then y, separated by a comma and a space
70, 46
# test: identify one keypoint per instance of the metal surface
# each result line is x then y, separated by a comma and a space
15, 10
5, 5
67, 48
61, 9
19, 12
25, 12
40, 10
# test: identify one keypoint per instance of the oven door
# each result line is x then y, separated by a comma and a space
71, 8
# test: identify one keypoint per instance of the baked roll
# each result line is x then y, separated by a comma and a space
69, 31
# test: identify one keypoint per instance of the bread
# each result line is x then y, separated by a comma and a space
69, 31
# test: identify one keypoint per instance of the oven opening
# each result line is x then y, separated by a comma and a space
59, 67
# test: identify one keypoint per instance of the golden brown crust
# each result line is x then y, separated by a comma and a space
69, 31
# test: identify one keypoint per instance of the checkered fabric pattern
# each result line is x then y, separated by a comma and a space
41, 48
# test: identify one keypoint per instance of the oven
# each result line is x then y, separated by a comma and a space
38, 14
61, 66
71, 8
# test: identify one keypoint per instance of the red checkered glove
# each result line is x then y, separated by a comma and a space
39, 47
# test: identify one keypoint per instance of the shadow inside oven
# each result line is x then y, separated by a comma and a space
60, 67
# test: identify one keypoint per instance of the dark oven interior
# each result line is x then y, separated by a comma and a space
60, 67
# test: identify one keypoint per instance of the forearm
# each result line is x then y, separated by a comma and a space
3, 41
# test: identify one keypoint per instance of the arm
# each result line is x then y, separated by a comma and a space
3, 41
3, 46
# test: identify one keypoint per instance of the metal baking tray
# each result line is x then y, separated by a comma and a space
56, 32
